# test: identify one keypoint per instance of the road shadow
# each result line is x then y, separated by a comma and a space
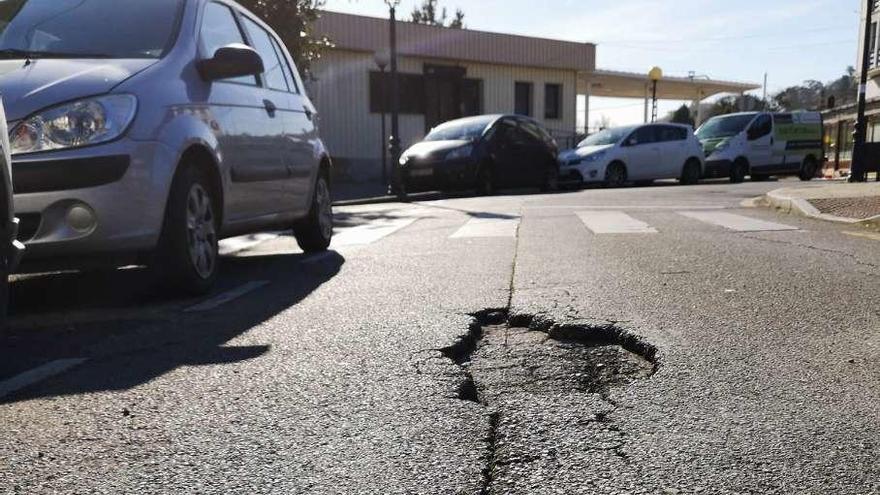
128, 352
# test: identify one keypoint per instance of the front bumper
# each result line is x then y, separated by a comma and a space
583, 173
102, 199
717, 169
446, 175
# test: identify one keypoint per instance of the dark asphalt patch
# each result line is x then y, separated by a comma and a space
502, 358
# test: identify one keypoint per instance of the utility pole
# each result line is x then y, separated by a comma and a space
382, 60
398, 186
858, 168
764, 98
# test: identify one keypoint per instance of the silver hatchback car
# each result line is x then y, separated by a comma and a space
155, 129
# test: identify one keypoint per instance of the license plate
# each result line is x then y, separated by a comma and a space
421, 172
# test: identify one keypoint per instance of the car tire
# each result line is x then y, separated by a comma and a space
808, 170
315, 232
188, 253
4, 293
738, 171
486, 180
551, 180
615, 175
690, 174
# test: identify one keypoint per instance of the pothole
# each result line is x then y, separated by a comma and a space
504, 358
537, 355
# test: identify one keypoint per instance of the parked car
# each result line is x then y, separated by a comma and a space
485, 153
12, 249
639, 154
185, 123
760, 144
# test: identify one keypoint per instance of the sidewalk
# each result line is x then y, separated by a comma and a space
836, 202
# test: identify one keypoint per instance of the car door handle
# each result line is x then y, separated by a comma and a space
270, 107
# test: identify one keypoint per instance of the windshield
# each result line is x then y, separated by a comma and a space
459, 130
606, 137
87, 28
724, 127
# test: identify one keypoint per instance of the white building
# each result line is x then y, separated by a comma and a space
450, 73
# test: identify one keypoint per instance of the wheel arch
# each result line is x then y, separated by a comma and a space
201, 156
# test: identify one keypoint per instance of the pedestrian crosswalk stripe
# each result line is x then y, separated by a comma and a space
614, 222
488, 225
737, 223
370, 232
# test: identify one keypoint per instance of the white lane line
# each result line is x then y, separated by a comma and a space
243, 243
625, 207
227, 296
37, 375
371, 232
488, 226
737, 223
614, 222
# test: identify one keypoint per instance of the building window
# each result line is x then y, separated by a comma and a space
553, 101
523, 99
412, 93
872, 47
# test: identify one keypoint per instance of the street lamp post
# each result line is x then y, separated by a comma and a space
858, 171
394, 140
382, 60
655, 75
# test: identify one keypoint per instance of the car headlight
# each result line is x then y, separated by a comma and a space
72, 125
458, 153
721, 147
403, 160
595, 157
573, 161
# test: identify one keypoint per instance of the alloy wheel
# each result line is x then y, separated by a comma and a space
201, 231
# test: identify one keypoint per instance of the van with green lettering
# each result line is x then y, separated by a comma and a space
761, 144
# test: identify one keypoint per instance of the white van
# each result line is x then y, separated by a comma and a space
762, 144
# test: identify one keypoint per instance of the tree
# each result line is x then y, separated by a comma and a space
293, 20
681, 116
815, 95
427, 14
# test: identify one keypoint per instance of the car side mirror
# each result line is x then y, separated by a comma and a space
235, 60
632, 142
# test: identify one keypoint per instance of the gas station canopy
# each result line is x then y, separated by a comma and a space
616, 84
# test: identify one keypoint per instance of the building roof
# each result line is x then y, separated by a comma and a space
619, 84
370, 34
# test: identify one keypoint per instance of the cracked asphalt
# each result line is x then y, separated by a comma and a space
328, 375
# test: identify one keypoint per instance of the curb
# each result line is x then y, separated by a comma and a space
796, 206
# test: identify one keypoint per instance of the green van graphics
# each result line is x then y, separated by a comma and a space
762, 144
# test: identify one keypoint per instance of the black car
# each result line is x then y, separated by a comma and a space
484, 153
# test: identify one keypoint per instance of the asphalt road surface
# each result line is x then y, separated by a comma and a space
653, 340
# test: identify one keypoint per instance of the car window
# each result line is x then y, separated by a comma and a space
762, 126
219, 28
285, 67
89, 28
273, 76
670, 133
643, 135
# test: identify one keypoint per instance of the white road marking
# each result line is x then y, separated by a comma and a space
243, 243
614, 222
488, 225
625, 207
37, 375
227, 296
371, 232
737, 223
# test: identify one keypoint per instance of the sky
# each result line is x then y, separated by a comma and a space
791, 40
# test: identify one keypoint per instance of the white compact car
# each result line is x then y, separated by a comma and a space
639, 154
